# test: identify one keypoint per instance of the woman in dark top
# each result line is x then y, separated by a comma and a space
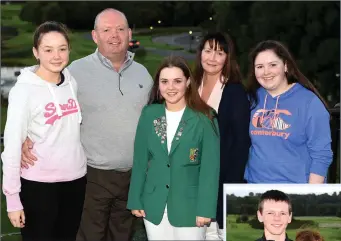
220, 86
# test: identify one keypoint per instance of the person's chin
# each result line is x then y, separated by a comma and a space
173, 101
118, 49
276, 231
55, 69
211, 69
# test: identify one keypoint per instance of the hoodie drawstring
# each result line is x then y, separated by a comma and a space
273, 117
265, 99
56, 104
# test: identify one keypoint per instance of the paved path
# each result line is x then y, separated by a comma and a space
166, 52
183, 40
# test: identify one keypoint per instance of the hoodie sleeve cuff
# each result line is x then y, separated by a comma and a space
13, 203
319, 168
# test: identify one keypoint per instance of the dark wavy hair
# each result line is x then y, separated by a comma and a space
192, 96
293, 75
230, 71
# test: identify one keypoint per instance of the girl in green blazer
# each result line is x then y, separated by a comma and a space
174, 183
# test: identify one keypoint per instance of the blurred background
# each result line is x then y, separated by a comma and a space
311, 30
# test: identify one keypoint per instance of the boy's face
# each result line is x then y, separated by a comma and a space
275, 216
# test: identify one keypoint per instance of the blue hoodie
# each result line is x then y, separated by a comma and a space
290, 136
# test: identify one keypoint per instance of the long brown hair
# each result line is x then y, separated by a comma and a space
230, 71
293, 75
192, 96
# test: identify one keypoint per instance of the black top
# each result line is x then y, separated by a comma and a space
264, 239
233, 119
62, 79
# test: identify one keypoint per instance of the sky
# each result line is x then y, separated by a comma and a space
242, 190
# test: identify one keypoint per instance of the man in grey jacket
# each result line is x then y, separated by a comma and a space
112, 90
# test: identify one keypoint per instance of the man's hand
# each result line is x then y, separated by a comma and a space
26, 156
138, 213
17, 218
201, 221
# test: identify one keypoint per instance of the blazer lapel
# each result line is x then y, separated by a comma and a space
182, 129
160, 127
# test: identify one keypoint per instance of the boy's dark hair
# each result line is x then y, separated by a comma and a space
274, 195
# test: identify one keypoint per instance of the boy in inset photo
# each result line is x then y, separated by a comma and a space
275, 212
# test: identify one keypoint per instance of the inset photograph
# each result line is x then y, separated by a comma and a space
282, 212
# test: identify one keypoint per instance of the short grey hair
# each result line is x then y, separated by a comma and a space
109, 10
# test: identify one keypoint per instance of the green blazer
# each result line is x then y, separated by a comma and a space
186, 179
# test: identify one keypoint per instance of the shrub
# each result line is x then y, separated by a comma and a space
338, 213
244, 218
140, 53
31, 12
53, 12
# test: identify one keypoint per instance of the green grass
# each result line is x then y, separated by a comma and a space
321, 219
243, 232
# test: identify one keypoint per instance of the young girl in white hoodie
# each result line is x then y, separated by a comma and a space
46, 200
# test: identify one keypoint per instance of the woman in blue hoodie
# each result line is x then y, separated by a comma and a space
289, 127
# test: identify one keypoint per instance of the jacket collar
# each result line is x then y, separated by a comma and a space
129, 58
181, 130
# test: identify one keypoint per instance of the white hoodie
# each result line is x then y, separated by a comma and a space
50, 116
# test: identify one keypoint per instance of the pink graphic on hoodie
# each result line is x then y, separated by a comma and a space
67, 109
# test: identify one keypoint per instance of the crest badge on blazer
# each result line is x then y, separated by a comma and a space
193, 154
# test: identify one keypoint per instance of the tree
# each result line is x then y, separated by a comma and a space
31, 12
338, 213
311, 31
53, 12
